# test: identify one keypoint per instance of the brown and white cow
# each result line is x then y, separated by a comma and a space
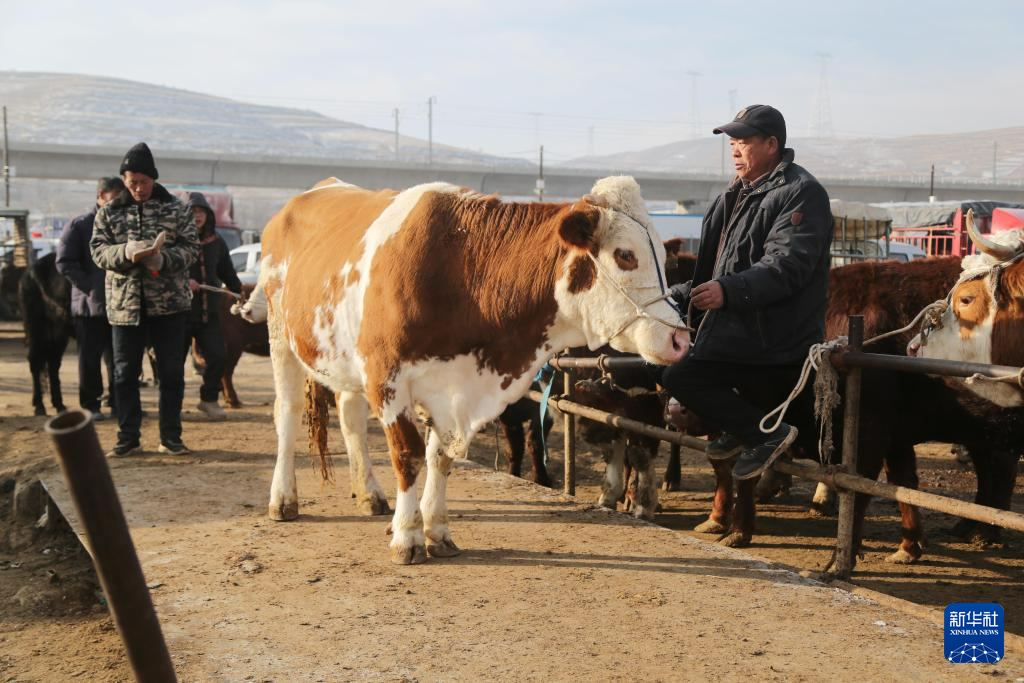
984, 319
441, 300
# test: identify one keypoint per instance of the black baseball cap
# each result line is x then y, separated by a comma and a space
756, 119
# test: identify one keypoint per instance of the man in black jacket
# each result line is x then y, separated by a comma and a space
758, 293
88, 302
212, 268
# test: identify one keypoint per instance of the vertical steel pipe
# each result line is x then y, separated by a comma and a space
569, 427
851, 431
92, 489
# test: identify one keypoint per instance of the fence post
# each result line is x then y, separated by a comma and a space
92, 489
569, 428
851, 432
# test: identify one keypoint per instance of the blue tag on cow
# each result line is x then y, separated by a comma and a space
974, 633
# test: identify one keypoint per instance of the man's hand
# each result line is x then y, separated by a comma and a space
708, 296
193, 285
134, 248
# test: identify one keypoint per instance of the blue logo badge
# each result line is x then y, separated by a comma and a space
974, 633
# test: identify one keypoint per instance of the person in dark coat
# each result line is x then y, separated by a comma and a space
213, 268
758, 293
88, 301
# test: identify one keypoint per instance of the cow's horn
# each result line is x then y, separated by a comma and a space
1003, 252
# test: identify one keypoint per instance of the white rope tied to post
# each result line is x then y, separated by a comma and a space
826, 394
932, 311
1017, 377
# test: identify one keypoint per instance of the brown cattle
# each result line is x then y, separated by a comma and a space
446, 302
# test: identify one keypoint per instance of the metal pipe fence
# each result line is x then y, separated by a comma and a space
842, 478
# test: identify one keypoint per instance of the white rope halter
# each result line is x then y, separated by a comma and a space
641, 311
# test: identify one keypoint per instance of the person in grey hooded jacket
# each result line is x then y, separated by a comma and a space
758, 294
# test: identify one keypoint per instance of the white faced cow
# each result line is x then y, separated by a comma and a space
446, 301
984, 319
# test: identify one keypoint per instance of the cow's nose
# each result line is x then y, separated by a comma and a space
680, 344
913, 347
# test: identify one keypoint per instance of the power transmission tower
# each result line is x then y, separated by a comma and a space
430, 129
694, 104
395, 112
823, 108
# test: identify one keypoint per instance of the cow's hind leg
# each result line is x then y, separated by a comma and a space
674, 469
289, 386
355, 413
37, 365
407, 456
53, 368
442, 448
645, 498
901, 469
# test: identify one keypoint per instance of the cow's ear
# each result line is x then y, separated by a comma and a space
579, 225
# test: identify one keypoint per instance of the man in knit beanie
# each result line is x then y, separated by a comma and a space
146, 240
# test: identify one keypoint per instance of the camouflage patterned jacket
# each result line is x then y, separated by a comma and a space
130, 288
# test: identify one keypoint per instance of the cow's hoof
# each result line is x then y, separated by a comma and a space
902, 556
771, 485
39, 411
233, 404
444, 548
416, 554
283, 512
821, 510
987, 537
373, 506
710, 526
544, 481
61, 408
671, 486
644, 512
734, 540
964, 528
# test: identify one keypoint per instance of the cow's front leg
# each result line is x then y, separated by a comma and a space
614, 483
441, 451
407, 455
354, 411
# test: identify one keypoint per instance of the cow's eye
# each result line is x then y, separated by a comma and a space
625, 259
966, 300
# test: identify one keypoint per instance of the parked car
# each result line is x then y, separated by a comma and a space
246, 260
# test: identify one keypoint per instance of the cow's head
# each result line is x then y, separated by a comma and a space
984, 319
613, 275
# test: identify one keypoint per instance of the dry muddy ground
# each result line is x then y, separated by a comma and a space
547, 588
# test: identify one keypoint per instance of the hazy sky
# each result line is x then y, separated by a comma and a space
573, 75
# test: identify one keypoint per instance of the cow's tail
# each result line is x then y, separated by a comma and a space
317, 422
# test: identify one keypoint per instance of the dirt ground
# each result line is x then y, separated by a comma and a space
547, 588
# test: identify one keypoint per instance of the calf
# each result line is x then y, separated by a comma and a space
240, 336
441, 300
44, 296
631, 393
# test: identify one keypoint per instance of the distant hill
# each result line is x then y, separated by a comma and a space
959, 155
94, 110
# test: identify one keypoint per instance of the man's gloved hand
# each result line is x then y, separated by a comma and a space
154, 262
147, 254
133, 248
